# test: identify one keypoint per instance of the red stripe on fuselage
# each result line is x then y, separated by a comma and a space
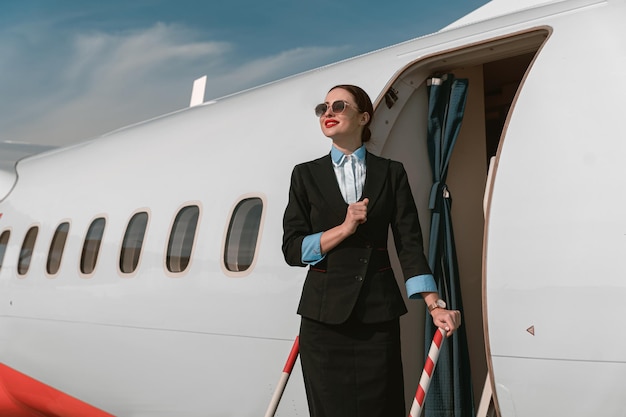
23, 396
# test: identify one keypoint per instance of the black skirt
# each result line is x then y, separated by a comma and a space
353, 369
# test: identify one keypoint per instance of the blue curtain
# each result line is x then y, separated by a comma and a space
450, 393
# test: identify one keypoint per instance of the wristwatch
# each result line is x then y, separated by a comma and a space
437, 304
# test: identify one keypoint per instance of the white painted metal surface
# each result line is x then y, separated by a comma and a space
197, 92
555, 238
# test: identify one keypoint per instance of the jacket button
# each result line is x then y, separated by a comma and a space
359, 278
364, 260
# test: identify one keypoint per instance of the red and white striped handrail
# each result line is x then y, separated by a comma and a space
427, 373
284, 377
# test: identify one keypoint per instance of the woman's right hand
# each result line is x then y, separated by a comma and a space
356, 215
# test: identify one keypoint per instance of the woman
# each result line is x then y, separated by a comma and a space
336, 223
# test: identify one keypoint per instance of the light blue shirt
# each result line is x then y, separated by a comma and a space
350, 172
311, 245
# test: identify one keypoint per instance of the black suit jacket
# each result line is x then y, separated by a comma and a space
355, 277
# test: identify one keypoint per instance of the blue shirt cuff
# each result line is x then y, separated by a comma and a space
312, 249
419, 284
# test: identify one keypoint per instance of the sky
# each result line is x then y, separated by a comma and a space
72, 70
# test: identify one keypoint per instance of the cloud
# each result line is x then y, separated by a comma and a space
274, 67
85, 84
121, 59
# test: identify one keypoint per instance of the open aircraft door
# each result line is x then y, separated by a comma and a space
553, 244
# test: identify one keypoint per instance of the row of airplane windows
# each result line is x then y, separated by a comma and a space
239, 246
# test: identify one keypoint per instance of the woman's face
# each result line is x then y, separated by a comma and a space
347, 124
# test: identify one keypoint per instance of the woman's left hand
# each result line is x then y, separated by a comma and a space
449, 320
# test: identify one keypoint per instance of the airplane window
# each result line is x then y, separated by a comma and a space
243, 233
91, 246
56, 248
4, 241
133, 241
26, 253
181, 239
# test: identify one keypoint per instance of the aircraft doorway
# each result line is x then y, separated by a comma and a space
495, 72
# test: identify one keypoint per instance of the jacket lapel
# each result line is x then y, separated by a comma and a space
375, 178
325, 180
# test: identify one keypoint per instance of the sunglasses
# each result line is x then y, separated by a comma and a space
337, 107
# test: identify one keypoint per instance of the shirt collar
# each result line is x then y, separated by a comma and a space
338, 156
